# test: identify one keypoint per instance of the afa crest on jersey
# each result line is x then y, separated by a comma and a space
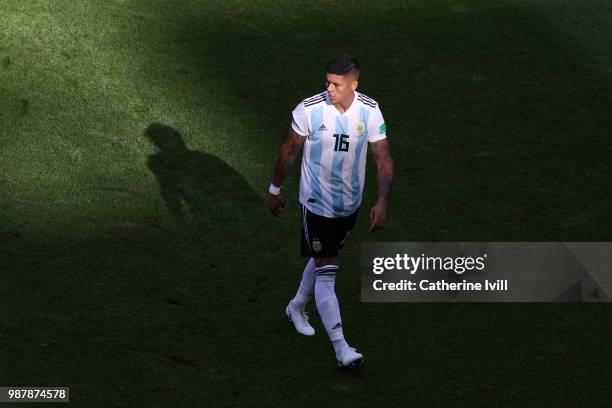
360, 129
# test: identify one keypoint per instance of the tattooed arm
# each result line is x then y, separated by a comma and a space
286, 157
384, 168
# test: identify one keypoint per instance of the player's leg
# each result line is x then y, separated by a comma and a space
306, 288
295, 309
329, 311
327, 302
333, 237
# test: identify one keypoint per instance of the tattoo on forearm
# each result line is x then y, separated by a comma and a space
286, 157
384, 183
384, 165
291, 154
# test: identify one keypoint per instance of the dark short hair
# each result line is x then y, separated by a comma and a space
342, 65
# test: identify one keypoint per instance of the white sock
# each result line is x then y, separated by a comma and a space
339, 345
327, 305
306, 288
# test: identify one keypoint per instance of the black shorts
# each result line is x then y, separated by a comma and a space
324, 237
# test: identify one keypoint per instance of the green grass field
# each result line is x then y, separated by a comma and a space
143, 279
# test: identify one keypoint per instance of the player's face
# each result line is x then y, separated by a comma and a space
340, 87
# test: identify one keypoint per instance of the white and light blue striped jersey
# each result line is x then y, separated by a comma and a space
335, 151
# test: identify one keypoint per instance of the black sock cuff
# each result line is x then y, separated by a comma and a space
326, 270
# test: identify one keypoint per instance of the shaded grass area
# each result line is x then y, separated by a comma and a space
497, 116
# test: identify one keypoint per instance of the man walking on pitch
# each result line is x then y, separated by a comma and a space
333, 126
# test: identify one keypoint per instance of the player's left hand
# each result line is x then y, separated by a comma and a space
378, 215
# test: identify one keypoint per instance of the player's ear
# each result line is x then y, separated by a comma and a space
354, 85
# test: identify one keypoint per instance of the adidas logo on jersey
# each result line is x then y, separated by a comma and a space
322, 127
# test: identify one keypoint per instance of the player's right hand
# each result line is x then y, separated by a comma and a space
276, 204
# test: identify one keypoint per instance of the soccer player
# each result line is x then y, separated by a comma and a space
333, 126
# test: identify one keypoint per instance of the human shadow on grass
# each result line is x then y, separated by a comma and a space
204, 194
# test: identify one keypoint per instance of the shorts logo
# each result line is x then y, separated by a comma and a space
316, 246
382, 129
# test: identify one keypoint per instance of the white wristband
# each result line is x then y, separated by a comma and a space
274, 190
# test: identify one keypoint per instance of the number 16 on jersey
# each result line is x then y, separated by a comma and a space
342, 144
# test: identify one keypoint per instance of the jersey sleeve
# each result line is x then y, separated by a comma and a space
300, 120
377, 130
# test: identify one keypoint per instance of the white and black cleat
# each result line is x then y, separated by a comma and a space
299, 318
350, 358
